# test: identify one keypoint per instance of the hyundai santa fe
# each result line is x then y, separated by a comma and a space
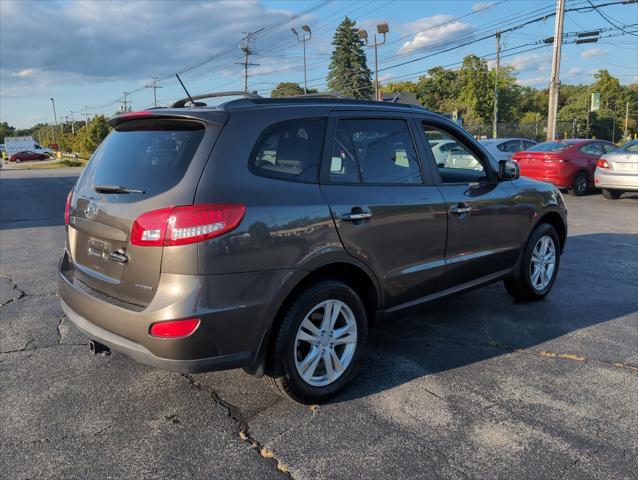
266, 234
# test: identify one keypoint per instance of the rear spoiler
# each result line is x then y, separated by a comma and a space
206, 116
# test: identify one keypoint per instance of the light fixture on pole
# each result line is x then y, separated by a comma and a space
382, 29
55, 120
303, 39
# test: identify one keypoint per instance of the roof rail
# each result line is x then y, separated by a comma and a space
321, 95
181, 103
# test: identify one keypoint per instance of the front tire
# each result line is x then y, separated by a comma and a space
611, 194
318, 343
539, 266
579, 184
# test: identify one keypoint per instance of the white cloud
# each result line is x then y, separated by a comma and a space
26, 73
594, 52
575, 71
434, 30
477, 7
538, 62
541, 81
92, 42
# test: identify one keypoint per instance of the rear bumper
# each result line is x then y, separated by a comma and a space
616, 180
236, 310
141, 354
559, 174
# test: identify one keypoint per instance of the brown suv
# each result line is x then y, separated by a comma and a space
266, 233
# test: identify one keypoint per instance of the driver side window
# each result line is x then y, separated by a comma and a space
455, 162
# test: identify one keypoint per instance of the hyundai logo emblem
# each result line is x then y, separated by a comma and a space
91, 210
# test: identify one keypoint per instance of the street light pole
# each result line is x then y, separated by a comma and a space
55, 120
382, 29
303, 39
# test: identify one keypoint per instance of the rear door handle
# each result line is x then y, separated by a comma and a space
460, 209
351, 217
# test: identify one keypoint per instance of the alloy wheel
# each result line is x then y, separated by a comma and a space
325, 343
543, 263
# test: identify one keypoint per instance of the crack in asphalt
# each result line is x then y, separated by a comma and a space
242, 426
20, 292
25, 349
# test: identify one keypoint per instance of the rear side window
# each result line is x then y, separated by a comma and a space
290, 150
149, 155
377, 151
592, 149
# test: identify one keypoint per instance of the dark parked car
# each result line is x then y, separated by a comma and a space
267, 233
27, 156
568, 164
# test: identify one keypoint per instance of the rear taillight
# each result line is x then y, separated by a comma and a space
185, 224
174, 328
67, 208
602, 163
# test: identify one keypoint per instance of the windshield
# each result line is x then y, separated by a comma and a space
548, 147
148, 155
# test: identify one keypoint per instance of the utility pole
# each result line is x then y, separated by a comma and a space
245, 47
154, 86
626, 133
125, 107
554, 85
86, 116
382, 29
303, 40
496, 75
72, 124
55, 119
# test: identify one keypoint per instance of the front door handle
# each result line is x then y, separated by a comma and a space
460, 209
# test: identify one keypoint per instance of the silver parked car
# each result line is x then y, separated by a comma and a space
617, 172
504, 148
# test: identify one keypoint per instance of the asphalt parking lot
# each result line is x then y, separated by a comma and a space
475, 386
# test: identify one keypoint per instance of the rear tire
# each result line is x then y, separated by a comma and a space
538, 269
611, 194
313, 356
579, 185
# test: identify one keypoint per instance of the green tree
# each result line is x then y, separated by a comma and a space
6, 131
476, 97
438, 89
349, 73
88, 138
288, 89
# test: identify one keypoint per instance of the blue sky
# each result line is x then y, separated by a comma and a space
89, 52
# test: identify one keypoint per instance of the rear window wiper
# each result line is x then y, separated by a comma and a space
115, 189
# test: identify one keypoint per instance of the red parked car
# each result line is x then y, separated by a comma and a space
27, 155
568, 164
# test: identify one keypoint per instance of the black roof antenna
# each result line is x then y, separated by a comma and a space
189, 95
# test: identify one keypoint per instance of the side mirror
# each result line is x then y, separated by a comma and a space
508, 170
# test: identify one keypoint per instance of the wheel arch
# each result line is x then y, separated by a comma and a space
356, 276
554, 219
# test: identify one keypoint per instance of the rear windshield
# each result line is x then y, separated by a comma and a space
631, 147
548, 147
148, 155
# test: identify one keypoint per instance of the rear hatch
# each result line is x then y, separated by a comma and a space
158, 161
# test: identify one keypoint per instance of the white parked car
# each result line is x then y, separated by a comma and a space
504, 148
617, 172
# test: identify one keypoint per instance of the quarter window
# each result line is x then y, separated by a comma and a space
458, 164
290, 150
377, 151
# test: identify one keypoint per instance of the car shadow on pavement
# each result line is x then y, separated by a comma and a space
41, 201
596, 284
